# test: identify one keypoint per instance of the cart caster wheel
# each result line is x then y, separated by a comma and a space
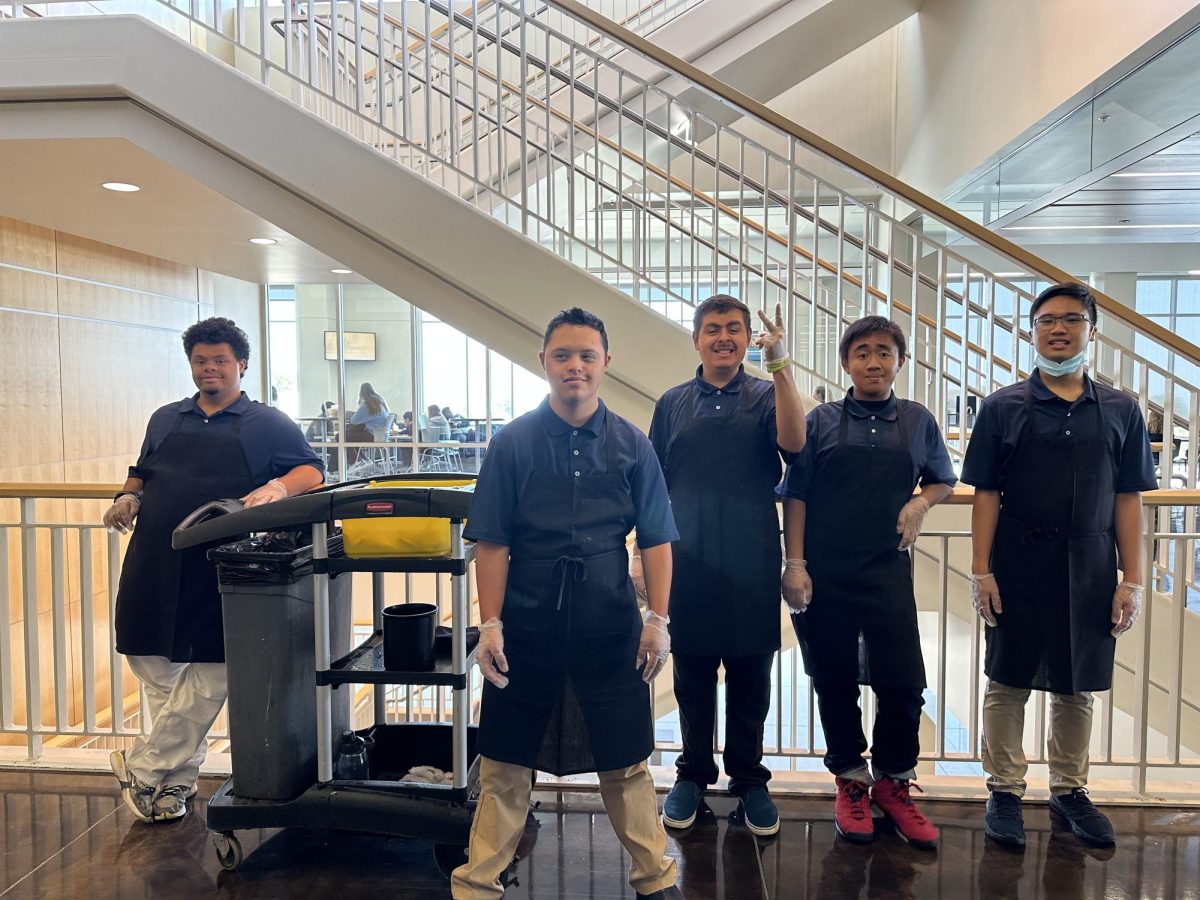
449, 857
229, 850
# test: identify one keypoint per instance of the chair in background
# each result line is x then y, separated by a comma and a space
443, 457
378, 459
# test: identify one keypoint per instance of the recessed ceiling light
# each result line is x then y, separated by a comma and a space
342, 271
121, 187
1156, 175
263, 241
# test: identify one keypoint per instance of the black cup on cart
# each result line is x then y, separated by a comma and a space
408, 630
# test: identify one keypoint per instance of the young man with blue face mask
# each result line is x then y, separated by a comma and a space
1058, 462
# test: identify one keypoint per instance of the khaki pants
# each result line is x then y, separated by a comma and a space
629, 800
1003, 739
184, 701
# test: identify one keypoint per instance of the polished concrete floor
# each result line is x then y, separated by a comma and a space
70, 836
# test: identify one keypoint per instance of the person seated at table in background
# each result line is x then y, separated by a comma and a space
404, 434
371, 415
324, 427
405, 427
437, 420
456, 422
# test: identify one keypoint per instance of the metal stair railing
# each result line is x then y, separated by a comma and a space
642, 182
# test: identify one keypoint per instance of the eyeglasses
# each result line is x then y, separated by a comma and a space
1048, 322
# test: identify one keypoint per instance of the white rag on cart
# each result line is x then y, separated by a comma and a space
429, 775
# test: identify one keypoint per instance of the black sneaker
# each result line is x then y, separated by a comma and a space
1003, 822
1089, 824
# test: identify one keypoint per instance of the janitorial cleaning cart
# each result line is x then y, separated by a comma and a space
285, 571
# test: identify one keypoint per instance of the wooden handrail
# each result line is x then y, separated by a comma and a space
906, 192
44, 490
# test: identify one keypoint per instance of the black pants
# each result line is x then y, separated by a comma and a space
747, 701
896, 740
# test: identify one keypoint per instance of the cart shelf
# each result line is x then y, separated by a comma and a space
364, 665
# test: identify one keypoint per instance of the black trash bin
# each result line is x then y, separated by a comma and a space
267, 603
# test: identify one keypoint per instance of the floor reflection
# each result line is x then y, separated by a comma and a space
68, 836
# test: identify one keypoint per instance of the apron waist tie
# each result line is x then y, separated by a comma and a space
1035, 533
567, 566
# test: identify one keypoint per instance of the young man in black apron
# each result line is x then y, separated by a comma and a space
719, 438
213, 445
850, 518
1058, 463
567, 657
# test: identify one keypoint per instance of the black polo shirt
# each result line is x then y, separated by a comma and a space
697, 399
871, 428
1002, 416
540, 441
272, 442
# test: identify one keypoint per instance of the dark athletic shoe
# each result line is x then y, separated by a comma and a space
1089, 824
1003, 821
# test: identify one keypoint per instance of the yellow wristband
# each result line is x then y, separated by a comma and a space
778, 365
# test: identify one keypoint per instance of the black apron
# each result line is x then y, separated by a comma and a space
862, 623
725, 594
1055, 561
168, 603
575, 701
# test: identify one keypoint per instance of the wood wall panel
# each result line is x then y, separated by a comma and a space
23, 244
36, 291
30, 423
114, 304
81, 258
133, 366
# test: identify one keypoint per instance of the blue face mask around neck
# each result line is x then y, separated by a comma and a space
1060, 368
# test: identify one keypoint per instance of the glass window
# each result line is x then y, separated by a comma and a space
1153, 295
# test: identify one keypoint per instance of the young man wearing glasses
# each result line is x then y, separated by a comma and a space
1058, 462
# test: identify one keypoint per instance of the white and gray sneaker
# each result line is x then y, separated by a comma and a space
139, 797
171, 802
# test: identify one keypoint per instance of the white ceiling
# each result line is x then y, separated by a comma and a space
56, 184
1136, 204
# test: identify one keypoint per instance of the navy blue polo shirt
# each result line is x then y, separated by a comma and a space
541, 442
273, 443
697, 399
870, 428
1002, 416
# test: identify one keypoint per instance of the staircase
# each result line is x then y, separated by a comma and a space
520, 110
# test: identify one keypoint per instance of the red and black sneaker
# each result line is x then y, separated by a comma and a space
852, 811
891, 795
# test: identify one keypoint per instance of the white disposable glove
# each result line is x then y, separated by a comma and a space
654, 646
797, 585
1126, 606
985, 597
120, 516
772, 339
270, 492
908, 525
639, 579
489, 652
